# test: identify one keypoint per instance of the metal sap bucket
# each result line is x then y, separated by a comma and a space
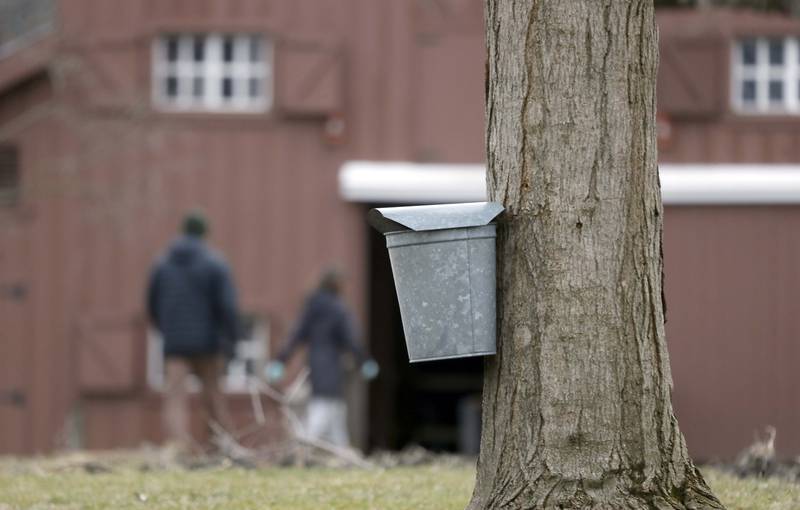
443, 261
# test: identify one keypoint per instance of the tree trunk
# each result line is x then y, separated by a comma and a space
576, 403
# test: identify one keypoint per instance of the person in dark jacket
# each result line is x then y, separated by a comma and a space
327, 328
191, 301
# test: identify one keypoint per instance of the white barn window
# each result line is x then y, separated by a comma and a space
766, 75
212, 72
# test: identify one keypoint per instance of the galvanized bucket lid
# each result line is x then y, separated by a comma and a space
433, 217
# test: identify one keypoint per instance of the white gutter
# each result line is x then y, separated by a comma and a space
696, 184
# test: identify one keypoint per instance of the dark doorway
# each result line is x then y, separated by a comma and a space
434, 404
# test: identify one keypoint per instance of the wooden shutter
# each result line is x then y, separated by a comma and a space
9, 174
693, 77
309, 77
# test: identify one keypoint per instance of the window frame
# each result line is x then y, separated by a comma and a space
764, 74
213, 68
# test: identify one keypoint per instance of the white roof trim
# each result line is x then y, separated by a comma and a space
382, 182
730, 184
411, 183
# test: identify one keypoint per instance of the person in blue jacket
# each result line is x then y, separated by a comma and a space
191, 301
326, 326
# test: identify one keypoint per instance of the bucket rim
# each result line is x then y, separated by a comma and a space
454, 356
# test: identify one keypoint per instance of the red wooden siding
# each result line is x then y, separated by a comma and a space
732, 288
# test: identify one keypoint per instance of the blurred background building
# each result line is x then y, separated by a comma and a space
286, 121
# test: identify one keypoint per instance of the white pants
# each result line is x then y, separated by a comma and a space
327, 420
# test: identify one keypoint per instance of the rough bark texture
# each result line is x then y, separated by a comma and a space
576, 406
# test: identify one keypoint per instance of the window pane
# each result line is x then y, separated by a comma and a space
172, 48
172, 86
198, 87
748, 52
227, 49
227, 88
775, 91
254, 87
255, 48
199, 48
776, 52
749, 91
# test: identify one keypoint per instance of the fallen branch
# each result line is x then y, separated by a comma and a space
348, 455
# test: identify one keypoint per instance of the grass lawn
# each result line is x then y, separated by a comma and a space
234, 489
417, 488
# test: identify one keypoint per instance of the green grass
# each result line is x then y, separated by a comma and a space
753, 494
234, 489
417, 488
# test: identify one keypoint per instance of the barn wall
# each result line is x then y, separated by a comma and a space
108, 179
732, 286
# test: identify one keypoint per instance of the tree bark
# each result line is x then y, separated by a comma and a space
577, 406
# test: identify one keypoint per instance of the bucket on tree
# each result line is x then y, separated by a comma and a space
443, 261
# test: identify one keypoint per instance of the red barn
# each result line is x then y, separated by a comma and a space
115, 118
